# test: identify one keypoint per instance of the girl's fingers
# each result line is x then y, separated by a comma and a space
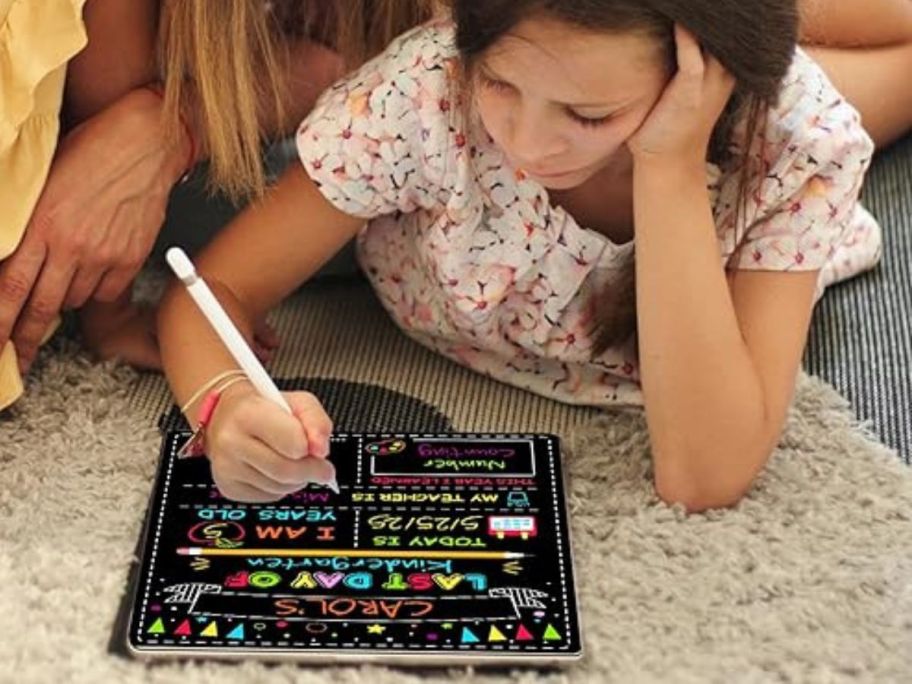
250, 476
689, 55
239, 491
237, 467
262, 353
715, 71
708, 78
266, 336
262, 419
262, 456
284, 473
720, 84
251, 471
315, 421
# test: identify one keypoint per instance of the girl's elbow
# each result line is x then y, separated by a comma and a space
717, 486
697, 499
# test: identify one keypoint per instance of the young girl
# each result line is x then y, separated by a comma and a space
509, 165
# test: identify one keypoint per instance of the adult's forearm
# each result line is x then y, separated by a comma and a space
119, 56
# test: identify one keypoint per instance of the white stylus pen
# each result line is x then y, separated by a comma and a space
226, 330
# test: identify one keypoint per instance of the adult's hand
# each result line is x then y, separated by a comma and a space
96, 220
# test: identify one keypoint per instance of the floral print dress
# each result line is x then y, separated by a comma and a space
471, 259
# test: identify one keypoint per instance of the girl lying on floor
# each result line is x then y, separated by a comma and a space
612, 202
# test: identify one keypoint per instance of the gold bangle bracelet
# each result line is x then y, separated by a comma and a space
209, 385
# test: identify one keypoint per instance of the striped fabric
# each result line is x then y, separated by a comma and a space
861, 335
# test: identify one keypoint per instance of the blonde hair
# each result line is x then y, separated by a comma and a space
228, 58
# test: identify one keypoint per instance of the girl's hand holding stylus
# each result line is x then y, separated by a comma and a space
259, 453
680, 125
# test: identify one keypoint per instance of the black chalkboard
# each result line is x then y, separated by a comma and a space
438, 549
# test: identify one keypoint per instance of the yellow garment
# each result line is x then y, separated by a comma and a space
37, 39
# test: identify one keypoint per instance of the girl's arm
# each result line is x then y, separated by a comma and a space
719, 355
262, 256
258, 452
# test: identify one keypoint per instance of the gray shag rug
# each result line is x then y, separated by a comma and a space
807, 580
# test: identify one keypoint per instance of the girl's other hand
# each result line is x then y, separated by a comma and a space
266, 341
121, 330
259, 453
127, 331
95, 223
681, 123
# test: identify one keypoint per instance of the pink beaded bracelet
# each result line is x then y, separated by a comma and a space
196, 445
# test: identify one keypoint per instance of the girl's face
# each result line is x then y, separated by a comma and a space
561, 101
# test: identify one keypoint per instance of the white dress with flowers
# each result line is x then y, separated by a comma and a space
471, 259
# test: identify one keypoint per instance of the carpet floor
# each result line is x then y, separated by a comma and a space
809, 579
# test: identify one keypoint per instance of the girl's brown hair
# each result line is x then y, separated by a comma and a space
755, 41
225, 61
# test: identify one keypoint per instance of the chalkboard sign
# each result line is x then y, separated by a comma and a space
438, 549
